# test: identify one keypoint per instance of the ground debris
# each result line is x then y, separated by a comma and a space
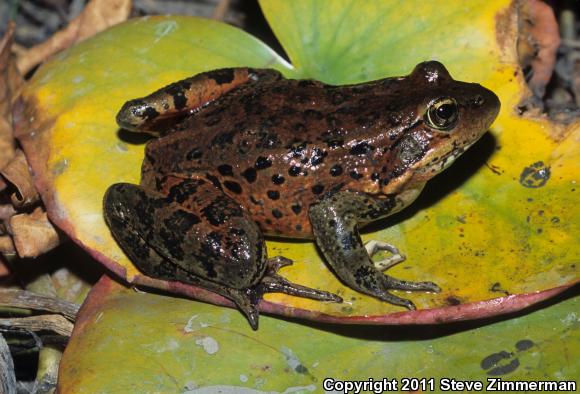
95, 17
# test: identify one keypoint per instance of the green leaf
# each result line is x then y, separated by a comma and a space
349, 41
125, 341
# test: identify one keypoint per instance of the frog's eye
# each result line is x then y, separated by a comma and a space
442, 114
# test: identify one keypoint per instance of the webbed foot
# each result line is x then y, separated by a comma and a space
249, 299
272, 282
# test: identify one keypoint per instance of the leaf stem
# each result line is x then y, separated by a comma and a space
13, 10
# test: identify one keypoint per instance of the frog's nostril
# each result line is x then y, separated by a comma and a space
478, 100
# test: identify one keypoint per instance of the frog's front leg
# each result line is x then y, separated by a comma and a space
335, 220
160, 110
196, 234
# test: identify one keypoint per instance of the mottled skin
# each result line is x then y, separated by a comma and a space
245, 152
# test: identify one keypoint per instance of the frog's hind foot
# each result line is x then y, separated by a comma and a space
373, 247
247, 300
272, 282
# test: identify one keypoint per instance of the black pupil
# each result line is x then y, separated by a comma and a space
445, 111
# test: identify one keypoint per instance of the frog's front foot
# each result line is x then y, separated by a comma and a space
335, 225
374, 247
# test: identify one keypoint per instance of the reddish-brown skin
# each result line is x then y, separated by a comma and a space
278, 146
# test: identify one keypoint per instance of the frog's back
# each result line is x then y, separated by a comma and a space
275, 118
279, 147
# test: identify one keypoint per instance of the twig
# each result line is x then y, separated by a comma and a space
571, 43
221, 9
54, 323
28, 300
13, 9
7, 377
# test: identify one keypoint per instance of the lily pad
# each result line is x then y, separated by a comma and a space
495, 231
187, 346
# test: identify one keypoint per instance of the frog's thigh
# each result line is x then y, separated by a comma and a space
199, 230
168, 105
335, 225
117, 216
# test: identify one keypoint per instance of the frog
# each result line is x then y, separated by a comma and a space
241, 154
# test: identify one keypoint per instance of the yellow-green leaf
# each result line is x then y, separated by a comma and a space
501, 222
130, 342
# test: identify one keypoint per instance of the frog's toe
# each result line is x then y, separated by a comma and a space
371, 281
274, 264
372, 247
252, 315
247, 301
272, 282
409, 305
275, 283
412, 286
395, 300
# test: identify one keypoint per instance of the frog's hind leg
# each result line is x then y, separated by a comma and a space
190, 235
171, 104
335, 221
197, 235
151, 263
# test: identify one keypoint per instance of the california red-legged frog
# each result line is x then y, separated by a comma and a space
245, 153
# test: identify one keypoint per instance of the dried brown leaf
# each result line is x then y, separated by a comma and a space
17, 172
97, 16
6, 211
4, 270
33, 234
538, 42
10, 82
6, 246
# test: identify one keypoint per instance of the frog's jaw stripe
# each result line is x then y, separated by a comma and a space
444, 161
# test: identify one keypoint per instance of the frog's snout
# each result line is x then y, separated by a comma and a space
134, 113
489, 104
